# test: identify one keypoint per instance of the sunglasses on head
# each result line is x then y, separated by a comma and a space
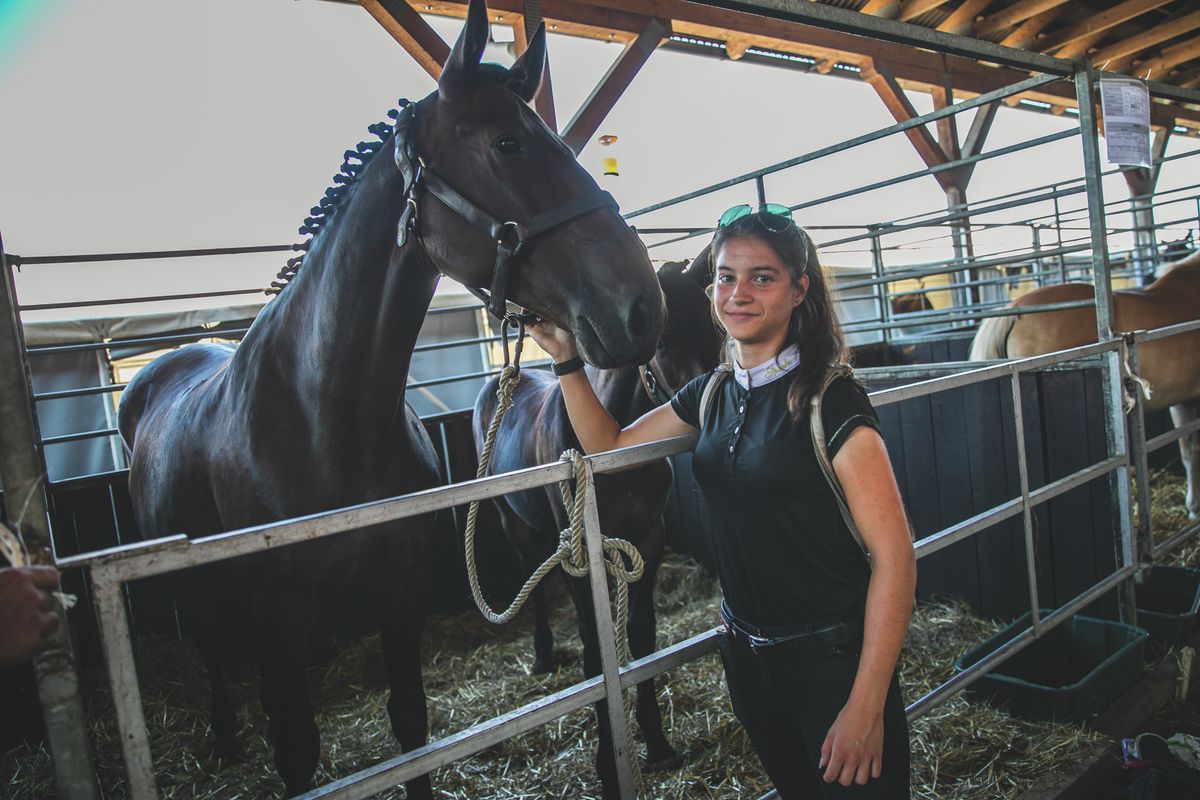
774, 217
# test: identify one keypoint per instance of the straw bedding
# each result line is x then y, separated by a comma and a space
474, 670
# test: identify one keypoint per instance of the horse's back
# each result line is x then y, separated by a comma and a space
166, 380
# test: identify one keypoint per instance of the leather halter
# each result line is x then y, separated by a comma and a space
652, 387
512, 238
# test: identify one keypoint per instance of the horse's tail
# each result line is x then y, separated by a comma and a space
991, 340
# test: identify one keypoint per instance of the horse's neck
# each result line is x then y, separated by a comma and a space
341, 336
1185, 273
620, 392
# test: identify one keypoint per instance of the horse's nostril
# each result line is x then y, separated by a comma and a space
638, 320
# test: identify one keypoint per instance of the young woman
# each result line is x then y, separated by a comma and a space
814, 624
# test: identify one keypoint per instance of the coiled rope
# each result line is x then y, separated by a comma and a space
571, 552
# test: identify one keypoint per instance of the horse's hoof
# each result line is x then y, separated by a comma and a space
663, 762
542, 666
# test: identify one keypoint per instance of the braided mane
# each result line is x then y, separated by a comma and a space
353, 163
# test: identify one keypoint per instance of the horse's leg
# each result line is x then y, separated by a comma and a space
202, 624
643, 629
1189, 451
405, 611
606, 766
524, 539
281, 616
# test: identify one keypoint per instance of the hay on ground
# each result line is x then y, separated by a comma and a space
474, 671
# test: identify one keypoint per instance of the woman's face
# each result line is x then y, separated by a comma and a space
754, 293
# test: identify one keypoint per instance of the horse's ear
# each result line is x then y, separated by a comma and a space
463, 60
525, 76
701, 268
671, 269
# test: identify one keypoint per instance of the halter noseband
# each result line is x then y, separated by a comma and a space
512, 238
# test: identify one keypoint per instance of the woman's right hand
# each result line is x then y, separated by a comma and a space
558, 343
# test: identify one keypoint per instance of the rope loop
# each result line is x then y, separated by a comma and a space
621, 558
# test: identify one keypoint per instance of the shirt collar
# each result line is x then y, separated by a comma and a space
770, 370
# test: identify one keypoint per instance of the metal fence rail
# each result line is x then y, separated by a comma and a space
109, 569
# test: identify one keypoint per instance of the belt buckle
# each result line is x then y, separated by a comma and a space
760, 643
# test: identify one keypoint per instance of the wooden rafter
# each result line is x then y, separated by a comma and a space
947, 127
1080, 46
961, 18
913, 68
587, 119
911, 9
1096, 24
1025, 35
1013, 15
1171, 57
880, 76
880, 8
1143, 41
412, 32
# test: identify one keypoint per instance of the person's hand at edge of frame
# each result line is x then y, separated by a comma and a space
28, 612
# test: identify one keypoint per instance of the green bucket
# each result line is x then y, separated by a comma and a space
1168, 603
1072, 672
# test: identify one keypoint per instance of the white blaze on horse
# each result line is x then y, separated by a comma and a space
1170, 367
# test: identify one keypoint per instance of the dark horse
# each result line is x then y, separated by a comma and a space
631, 503
309, 413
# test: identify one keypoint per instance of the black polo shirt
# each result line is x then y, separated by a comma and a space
784, 554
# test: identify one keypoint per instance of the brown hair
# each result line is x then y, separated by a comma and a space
813, 327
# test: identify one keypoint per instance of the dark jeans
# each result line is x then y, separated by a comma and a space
788, 700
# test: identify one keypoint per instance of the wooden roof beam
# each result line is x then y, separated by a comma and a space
888, 9
1147, 39
880, 76
413, 33
961, 18
911, 9
1096, 24
911, 66
591, 114
1171, 57
1025, 34
1014, 15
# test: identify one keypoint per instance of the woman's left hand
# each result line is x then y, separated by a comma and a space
853, 748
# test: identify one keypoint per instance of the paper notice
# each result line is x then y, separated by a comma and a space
1125, 104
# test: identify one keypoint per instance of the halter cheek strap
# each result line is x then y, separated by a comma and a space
512, 238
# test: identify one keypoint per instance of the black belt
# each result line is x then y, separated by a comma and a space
833, 633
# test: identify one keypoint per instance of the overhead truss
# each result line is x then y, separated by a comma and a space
983, 44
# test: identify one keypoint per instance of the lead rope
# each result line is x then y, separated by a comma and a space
571, 552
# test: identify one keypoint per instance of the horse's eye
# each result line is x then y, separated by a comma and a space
508, 145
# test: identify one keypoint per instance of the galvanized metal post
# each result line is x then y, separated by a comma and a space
1085, 91
122, 677
1062, 259
1026, 507
609, 661
1039, 262
964, 251
1143, 541
23, 471
881, 295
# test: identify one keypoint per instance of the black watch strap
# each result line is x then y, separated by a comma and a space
567, 367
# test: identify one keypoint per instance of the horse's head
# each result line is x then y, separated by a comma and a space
690, 344
576, 263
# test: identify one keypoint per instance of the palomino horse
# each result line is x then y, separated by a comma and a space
1170, 366
309, 413
536, 430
